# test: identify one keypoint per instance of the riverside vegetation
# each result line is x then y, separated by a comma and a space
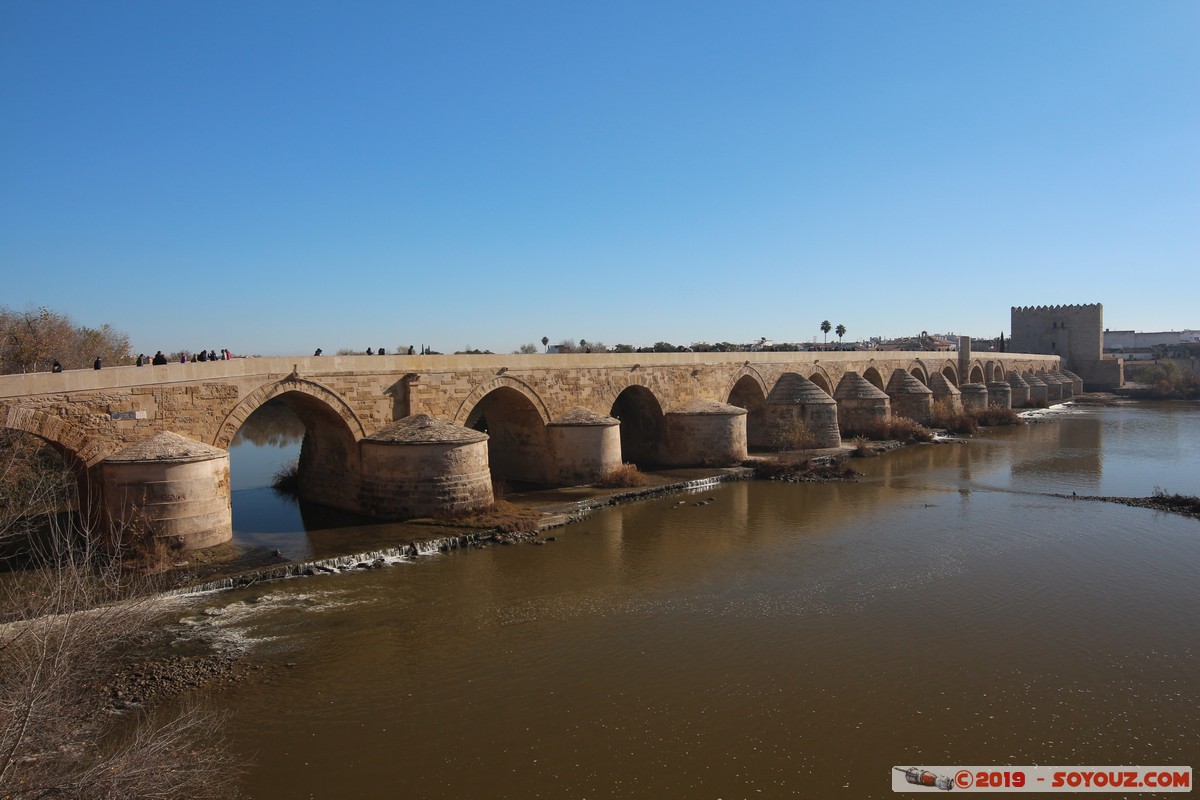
1165, 380
69, 620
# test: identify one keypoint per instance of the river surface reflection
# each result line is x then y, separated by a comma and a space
782, 641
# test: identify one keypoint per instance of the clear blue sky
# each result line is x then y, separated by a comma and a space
276, 176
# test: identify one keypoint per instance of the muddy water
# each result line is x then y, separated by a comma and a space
779, 641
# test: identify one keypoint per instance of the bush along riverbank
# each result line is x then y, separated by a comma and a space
1185, 505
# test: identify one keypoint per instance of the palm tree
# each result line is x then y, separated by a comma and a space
840, 330
825, 329
546, 342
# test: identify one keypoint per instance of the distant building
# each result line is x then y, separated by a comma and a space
1124, 341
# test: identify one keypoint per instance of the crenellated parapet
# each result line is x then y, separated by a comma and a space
1074, 332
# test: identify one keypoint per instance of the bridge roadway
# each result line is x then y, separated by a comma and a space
530, 406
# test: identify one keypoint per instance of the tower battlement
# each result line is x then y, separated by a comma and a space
1089, 307
1073, 331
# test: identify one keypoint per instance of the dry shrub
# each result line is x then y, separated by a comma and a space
803, 470
900, 429
626, 476
874, 428
908, 430
996, 415
953, 418
793, 435
68, 623
500, 515
286, 480
1184, 504
81, 605
862, 448
773, 469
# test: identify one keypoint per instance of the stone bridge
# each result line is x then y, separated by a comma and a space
395, 436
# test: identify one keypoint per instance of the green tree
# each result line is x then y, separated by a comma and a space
546, 342
840, 331
825, 329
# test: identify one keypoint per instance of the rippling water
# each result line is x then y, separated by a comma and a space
781, 641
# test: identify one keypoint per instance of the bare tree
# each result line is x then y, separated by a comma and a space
528, 348
31, 340
66, 622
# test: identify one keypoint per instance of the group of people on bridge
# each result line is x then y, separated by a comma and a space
382, 352
159, 358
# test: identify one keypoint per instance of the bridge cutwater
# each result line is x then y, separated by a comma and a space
401, 436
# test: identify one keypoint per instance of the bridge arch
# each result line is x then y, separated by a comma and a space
821, 377
975, 373
745, 375
516, 430
643, 426
79, 454
70, 441
749, 391
994, 371
329, 458
950, 372
305, 397
874, 378
467, 407
919, 370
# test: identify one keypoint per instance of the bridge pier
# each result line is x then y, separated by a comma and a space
1039, 393
910, 398
999, 394
705, 432
1054, 389
944, 391
584, 446
171, 489
420, 466
974, 396
1066, 384
1020, 390
795, 400
859, 403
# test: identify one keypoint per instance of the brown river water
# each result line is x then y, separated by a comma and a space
783, 640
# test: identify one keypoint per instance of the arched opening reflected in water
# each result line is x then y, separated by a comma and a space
268, 441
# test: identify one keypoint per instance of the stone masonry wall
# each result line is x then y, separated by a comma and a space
94, 413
